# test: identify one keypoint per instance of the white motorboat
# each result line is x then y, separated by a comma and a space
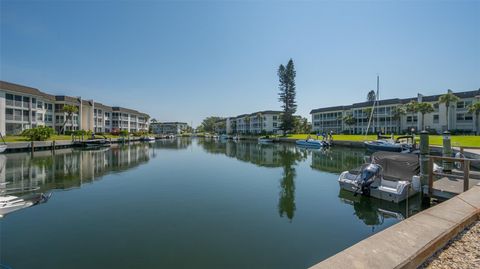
265, 140
401, 144
4, 146
10, 203
225, 137
313, 143
390, 176
384, 145
149, 139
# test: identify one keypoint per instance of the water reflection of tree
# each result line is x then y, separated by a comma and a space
288, 158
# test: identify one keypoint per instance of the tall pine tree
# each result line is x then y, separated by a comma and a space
286, 77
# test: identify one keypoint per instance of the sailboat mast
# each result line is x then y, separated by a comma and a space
378, 102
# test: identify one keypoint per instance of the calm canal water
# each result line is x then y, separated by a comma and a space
187, 203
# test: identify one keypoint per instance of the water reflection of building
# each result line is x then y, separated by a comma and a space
175, 143
265, 155
69, 168
285, 156
337, 161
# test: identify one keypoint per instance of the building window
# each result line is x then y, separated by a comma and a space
9, 98
17, 115
464, 117
435, 118
39, 117
13, 128
9, 114
412, 119
435, 105
26, 102
26, 115
18, 100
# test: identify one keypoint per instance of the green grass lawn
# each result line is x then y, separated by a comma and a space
466, 141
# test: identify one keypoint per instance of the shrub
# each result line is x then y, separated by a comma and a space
39, 133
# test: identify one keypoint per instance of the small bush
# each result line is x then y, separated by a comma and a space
39, 133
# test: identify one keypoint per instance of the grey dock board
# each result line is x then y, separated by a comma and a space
446, 188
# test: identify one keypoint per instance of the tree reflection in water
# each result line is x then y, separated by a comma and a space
288, 158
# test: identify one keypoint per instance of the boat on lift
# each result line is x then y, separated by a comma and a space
388, 144
390, 176
312, 143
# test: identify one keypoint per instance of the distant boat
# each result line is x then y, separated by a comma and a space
383, 145
149, 139
225, 137
93, 143
389, 145
265, 140
311, 143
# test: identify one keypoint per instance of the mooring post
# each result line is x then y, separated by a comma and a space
424, 152
447, 152
32, 146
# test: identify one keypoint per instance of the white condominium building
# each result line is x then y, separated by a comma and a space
169, 128
255, 123
385, 120
23, 107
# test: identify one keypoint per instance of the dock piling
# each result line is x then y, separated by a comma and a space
424, 152
447, 152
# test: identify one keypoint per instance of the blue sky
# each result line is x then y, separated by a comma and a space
189, 60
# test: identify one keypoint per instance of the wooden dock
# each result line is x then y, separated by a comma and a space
448, 187
443, 185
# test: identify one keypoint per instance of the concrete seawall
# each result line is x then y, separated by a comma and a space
49, 145
409, 243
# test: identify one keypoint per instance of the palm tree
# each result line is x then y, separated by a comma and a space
475, 109
412, 107
397, 113
448, 99
69, 110
349, 120
425, 108
371, 96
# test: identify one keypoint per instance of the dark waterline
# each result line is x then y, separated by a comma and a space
188, 203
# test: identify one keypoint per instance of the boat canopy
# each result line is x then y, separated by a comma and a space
397, 166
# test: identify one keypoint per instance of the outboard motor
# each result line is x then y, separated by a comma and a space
368, 176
